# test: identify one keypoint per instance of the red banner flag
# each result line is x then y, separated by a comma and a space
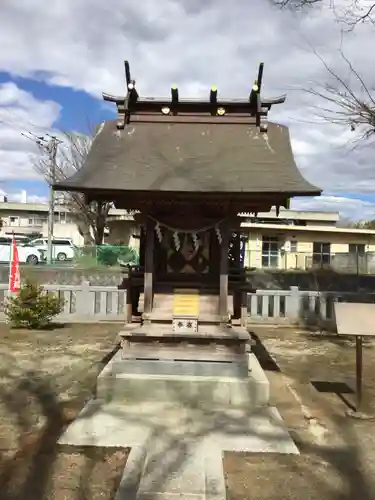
14, 269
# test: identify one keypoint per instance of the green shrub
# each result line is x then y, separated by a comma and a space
32, 307
109, 255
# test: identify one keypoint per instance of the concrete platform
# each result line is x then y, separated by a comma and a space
202, 384
111, 425
177, 451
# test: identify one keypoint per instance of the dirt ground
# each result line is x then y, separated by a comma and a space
312, 378
46, 377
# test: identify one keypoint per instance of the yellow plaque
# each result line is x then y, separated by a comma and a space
186, 303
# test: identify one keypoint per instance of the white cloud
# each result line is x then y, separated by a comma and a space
17, 109
18, 197
349, 208
194, 43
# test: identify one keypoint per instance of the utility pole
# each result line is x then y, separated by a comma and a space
49, 146
52, 151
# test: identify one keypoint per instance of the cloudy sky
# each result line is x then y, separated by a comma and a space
55, 61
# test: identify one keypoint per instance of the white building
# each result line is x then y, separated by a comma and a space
32, 219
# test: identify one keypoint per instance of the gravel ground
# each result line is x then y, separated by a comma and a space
46, 378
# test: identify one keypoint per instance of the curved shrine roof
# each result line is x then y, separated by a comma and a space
190, 157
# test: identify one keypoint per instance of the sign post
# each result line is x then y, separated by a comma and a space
356, 320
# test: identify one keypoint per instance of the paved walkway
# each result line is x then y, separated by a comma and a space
177, 451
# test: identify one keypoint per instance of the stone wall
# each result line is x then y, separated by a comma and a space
319, 280
67, 276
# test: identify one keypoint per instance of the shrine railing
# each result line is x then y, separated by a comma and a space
91, 303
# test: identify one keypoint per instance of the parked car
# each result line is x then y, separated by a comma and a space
26, 254
62, 248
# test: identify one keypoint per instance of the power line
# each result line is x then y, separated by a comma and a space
48, 146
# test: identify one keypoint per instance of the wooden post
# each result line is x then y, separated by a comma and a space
359, 369
223, 302
149, 266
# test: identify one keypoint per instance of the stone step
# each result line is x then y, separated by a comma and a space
160, 331
237, 369
181, 354
117, 386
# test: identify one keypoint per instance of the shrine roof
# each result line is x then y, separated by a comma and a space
199, 157
189, 145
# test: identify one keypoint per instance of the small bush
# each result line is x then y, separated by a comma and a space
110, 255
32, 307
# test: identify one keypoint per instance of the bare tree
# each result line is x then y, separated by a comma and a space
90, 217
348, 100
350, 12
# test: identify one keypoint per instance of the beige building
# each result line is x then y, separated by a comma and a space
292, 240
305, 239
32, 219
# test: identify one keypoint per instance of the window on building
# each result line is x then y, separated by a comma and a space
31, 222
293, 246
357, 248
39, 221
270, 252
321, 253
13, 221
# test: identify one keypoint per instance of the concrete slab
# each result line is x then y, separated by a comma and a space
177, 450
132, 474
259, 431
214, 477
97, 425
172, 467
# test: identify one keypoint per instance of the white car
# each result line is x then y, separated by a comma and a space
62, 248
26, 253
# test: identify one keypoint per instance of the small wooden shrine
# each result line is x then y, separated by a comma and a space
186, 168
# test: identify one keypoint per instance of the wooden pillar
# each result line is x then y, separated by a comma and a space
149, 266
223, 302
142, 247
235, 268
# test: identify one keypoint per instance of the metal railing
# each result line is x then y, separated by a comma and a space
305, 261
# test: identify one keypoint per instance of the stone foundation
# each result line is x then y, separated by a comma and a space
197, 384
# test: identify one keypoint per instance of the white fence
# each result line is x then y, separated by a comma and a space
87, 303
83, 303
292, 306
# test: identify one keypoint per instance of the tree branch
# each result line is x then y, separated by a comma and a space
90, 218
349, 104
354, 13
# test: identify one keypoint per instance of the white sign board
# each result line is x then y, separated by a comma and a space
355, 319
